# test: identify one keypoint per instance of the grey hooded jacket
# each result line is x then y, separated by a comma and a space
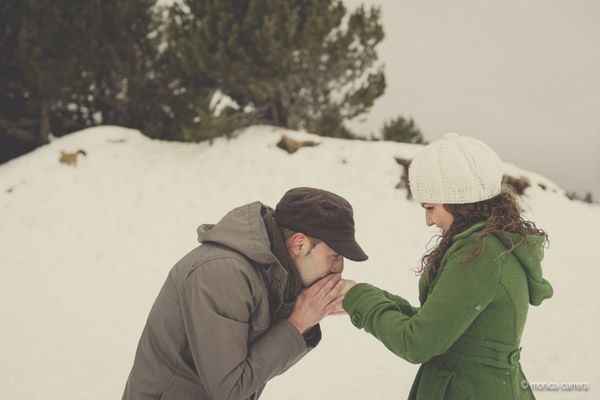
209, 334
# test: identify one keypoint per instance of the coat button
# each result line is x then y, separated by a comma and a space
514, 357
356, 318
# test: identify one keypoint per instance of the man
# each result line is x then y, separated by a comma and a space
245, 306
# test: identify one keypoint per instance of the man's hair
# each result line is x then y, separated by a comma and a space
288, 233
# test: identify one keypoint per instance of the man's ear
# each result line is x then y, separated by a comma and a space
297, 244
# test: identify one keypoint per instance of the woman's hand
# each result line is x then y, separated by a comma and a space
348, 284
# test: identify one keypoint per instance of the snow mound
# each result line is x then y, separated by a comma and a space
86, 247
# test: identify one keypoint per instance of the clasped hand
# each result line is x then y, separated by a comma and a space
321, 299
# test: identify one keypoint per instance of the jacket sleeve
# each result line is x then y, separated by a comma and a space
462, 292
217, 302
403, 305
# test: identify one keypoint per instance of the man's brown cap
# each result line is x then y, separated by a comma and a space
323, 215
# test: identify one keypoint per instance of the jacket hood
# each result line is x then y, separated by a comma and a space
529, 254
243, 230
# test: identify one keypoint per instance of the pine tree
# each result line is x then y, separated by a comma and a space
37, 66
70, 64
119, 76
303, 64
401, 130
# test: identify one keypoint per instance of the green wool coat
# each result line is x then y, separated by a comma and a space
467, 332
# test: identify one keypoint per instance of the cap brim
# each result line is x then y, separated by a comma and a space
349, 249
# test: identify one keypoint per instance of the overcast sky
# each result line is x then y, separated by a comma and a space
523, 76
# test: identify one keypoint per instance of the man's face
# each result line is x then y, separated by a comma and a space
316, 262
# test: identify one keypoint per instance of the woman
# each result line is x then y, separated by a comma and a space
476, 284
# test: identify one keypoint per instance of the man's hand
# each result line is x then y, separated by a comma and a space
316, 302
348, 284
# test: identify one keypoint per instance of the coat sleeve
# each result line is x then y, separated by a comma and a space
217, 303
403, 305
462, 292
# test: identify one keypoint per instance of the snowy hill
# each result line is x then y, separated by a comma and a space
84, 250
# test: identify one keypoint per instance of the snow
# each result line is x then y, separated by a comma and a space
84, 250
220, 101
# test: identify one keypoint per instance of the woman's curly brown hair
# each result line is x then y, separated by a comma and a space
501, 213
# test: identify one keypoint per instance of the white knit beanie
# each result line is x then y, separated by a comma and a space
455, 170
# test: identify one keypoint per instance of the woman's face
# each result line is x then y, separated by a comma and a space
436, 214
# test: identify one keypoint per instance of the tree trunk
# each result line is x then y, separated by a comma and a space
44, 132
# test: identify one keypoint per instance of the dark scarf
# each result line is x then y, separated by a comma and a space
293, 285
